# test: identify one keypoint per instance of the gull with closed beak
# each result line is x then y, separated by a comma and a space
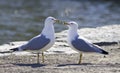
41, 42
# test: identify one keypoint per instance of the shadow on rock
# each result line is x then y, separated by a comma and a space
32, 65
74, 64
117, 65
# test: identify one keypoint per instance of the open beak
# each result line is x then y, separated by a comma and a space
66, 23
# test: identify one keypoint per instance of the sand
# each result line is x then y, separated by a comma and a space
64, 63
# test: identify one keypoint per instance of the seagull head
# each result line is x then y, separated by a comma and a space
71, 24
50, 20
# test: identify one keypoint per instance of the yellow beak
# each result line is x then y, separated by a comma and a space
65, 23
57, 21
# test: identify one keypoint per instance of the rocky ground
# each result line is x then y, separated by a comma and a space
61, 59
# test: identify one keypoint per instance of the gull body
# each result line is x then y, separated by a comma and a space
41, 42
79, 43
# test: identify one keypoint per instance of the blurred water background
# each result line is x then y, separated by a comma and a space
20, 20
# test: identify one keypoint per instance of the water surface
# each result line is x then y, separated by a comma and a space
20, 20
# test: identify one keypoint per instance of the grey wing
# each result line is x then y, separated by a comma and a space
84, 46
36, 43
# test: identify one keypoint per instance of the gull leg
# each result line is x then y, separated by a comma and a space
42, 56
80, 58
37, 57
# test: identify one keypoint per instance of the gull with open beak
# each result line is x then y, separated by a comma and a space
79, 43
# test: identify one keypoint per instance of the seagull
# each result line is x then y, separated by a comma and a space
79, 43
41, 42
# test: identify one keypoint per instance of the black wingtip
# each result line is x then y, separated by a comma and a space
105, 52
14, 49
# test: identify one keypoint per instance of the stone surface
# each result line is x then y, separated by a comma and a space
95, 35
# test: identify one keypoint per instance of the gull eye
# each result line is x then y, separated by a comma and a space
52, 19
71, 23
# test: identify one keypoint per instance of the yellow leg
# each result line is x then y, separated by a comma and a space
37, 57
42, 56
80, 58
